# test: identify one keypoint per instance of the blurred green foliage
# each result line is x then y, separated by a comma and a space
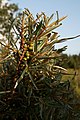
70, 61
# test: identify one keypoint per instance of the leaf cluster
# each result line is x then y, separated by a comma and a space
30, 81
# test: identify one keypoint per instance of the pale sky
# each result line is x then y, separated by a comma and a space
70, 26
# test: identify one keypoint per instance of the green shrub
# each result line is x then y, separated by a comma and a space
30, 81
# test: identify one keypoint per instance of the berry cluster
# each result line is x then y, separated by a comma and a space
29, 51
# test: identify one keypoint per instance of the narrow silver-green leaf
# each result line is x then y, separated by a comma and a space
21, 77
49, 30
32, 80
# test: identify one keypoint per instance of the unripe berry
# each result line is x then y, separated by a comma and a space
25, 58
